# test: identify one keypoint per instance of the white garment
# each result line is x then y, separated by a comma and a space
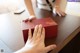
46, 7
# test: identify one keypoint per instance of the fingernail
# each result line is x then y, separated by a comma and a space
54, 46
40, 25
25, 20
36, 26
31, 19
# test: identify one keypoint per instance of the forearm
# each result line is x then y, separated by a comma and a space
29, 6
23, 50
26, 50
57, 3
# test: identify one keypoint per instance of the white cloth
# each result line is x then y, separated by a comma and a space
46, 7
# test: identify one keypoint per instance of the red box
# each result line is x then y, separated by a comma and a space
49, 24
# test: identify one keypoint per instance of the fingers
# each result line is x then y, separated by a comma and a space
39, 33
43, 35
29, 19
35, 31
61, 13
29, 34
26, 20
49, 48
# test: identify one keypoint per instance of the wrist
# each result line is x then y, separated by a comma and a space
56, 6
32, 16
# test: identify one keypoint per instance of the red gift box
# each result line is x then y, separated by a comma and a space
49, 24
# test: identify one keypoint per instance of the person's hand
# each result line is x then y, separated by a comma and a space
58, 11
35, 43
29, 19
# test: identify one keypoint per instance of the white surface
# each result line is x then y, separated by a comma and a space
73, 8
11, 5
4, 47
10, 30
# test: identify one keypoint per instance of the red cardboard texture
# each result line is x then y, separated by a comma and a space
49, 24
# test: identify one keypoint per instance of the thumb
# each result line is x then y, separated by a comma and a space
50, 47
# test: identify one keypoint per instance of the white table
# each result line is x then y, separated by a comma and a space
10, 30
4, 48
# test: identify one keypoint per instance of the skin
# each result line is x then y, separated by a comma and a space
57, 8
35, 43
58, 11
29, 6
